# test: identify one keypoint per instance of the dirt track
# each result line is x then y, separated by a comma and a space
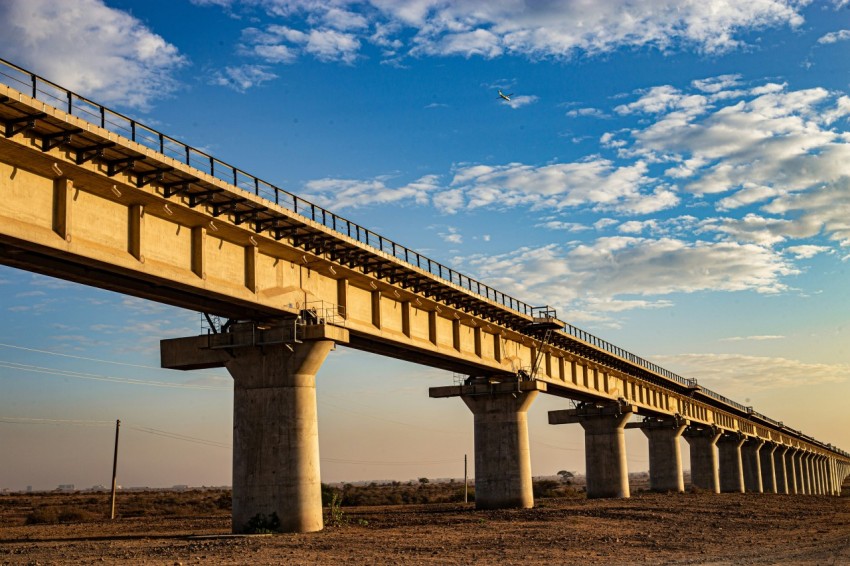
649, 528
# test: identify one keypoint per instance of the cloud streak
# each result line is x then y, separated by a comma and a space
336, 30
737, 374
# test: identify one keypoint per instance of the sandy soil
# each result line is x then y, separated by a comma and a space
690, 528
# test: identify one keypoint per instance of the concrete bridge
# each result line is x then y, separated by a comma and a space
92, 196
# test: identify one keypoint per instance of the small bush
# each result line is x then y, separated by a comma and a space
75, 515
261, 524
46, 516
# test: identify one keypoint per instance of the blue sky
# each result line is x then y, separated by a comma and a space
671, 176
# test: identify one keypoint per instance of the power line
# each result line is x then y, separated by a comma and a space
33, 421
555, 447
108, 378
83, 422
386, 463
87, 359
177, 436
205, 442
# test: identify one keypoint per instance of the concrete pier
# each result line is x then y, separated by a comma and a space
502, 453
779, 467
276, 436
803, 473
821, 476
791, 470
665, 456
799, 467
276, 480
751, 460
604, 445
768, 468
731, 468
704, 464
830, 476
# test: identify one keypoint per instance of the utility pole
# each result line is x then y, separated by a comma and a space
115, 466
465, 482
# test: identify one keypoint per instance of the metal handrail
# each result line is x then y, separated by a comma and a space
115, 122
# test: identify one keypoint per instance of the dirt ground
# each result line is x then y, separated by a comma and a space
688, 528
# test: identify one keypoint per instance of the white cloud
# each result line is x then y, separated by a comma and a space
758, 338
242, 78
331, 45
587, 112
560, 225
752, 228
520, 101
636, 227
625, 271
714, 85
283, 44
492, 28
736, 374
835, 36
92, 49
594, 181
660, 99
781, 149
822, 208
806, 251
338, 194
451, 235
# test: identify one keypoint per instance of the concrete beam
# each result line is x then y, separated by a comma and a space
486, 388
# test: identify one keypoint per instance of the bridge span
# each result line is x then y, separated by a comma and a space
92, 196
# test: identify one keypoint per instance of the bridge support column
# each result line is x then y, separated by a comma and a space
810, 474
803, 473
276, 481
604, 446
799, 466
822, 476
731, 469
779, 465
502, 453
751, 460
791, 459
830, 477
768, 468
665, 456
704, 467
833, 482
816, 488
